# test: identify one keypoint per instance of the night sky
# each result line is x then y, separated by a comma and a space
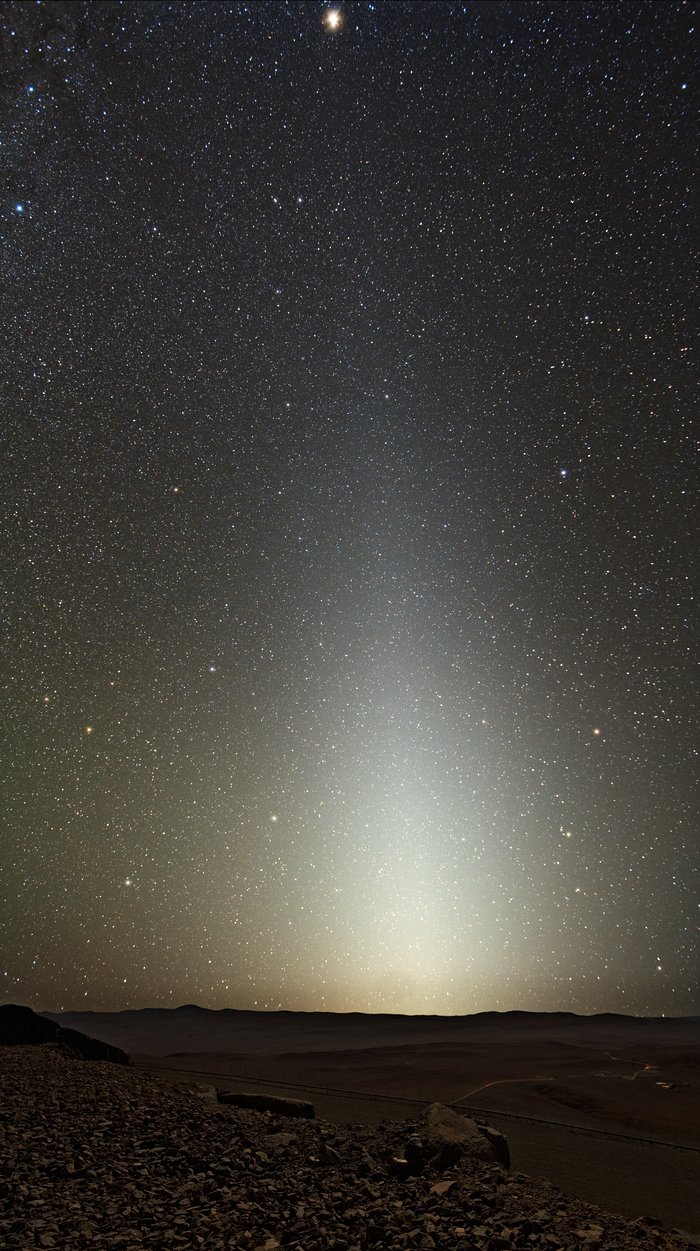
346, 507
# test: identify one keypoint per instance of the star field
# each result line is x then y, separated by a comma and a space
347, 507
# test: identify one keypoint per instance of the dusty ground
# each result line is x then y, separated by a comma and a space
612, 1075
102, 1157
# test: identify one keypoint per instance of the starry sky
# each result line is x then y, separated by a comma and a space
346, 507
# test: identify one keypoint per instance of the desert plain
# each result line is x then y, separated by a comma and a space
606, 1107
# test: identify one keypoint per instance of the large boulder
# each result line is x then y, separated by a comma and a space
451, 1136
267, 1103
20, 1027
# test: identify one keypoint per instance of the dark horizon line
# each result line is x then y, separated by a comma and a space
407, 1016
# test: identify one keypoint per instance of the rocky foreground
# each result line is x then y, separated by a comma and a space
97, 1156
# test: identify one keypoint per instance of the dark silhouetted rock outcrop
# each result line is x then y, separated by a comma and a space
20, 1027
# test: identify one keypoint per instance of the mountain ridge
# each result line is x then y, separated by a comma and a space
191, 1028
312, 1014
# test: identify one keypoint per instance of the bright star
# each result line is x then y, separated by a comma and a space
333, 19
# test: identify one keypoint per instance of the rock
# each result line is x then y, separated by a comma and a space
200, 1090
415, 1153
367, 1165
498, 1141
279, 1140
452, 1137
399, 1167
329, 1155
589, 1237
443, 1187
20, 1027
267, 1103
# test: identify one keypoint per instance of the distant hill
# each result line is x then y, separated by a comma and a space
191, 1028
20, 1027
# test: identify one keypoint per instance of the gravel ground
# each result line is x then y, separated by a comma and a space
95, 1156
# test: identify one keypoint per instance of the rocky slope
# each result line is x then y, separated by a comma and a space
20, 1027
97, 1156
